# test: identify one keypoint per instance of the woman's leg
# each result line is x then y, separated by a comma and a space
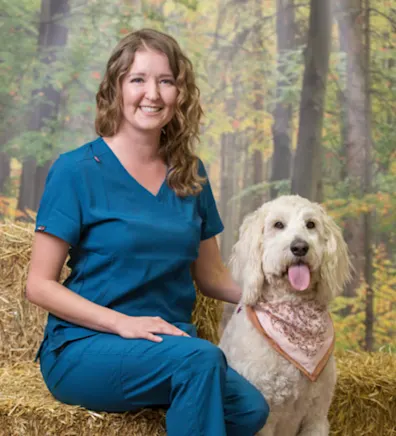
108, 373
188, 376
245, 409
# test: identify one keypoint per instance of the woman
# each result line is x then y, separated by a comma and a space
137, 212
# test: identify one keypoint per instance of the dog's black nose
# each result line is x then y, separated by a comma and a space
299, 247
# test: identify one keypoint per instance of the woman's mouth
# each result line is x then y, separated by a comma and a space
150, 109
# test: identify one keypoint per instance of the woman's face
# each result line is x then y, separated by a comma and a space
149, 92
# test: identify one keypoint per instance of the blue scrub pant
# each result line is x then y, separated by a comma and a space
187, 376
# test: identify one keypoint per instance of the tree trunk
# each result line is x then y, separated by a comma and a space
246, 180
281, 129
229, 142
341, 97
306, 179
5, 170
228, 175
350, 18
5, 160
26, 198
40, 177
52, 36
368, 217
258, 104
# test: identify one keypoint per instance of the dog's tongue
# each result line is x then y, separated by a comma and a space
299, 277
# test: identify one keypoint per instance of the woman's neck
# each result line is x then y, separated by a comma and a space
140, 146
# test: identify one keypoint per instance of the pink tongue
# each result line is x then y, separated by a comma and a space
299, 277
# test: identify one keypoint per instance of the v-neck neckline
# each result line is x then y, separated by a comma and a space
130, 177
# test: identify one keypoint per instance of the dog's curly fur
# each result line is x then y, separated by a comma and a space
259, 262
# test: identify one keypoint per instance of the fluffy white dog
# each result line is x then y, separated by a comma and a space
291, 261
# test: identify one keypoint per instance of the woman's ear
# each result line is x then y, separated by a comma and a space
246, 257
336, 269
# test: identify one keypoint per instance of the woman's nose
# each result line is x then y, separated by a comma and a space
152, 91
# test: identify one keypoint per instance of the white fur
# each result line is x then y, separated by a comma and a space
259, 263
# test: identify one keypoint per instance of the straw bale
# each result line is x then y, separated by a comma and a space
22, 323
27, 408
365, 397
364, 404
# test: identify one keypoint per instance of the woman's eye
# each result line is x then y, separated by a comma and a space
167, 81
310, 225
279, 225
137, 80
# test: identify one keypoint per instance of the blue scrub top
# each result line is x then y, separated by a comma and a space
130, 250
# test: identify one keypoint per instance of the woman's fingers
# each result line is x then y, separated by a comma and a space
168, 329
152, 337
147, 328
163, 328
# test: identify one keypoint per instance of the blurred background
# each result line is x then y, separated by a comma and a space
299, 96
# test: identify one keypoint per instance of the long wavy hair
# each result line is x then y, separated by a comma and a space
179, 136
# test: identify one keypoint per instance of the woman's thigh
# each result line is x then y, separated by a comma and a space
106, 372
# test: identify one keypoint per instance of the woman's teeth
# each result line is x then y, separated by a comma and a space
150, 109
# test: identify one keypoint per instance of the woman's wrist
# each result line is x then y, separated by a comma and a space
112, 320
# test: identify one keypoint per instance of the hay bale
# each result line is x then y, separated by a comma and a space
22, 323
364, 404
28, 409
365, 398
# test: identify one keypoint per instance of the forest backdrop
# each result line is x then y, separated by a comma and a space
299, 96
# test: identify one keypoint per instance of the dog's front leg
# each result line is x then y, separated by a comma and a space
315, 426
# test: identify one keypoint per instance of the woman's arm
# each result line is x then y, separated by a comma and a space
212, 276
42, 288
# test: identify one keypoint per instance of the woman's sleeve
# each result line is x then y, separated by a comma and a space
60, 211
211, 221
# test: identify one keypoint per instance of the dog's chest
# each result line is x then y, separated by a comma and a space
249, 353
280, 381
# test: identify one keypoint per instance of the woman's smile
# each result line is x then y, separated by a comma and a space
150, 109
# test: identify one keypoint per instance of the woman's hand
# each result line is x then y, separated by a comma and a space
144, 327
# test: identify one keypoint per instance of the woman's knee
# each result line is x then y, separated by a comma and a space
246, 408
204, 355
208, 353
259, 411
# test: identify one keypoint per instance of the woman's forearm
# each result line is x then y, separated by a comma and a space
212, 276
68, 305
220, 285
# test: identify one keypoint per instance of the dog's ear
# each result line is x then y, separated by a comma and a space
336, 269
246, 257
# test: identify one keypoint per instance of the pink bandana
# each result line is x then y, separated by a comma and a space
302, 333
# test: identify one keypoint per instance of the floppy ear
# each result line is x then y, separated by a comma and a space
336, 269
246, 257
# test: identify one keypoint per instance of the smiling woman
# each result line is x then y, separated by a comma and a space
139, 215
149, 93
147, 69
148, 99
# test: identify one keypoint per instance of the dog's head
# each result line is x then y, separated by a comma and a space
292, 245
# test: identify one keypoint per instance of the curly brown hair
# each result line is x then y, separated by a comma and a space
180, 134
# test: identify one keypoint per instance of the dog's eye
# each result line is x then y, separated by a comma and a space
310, 225
279, 225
